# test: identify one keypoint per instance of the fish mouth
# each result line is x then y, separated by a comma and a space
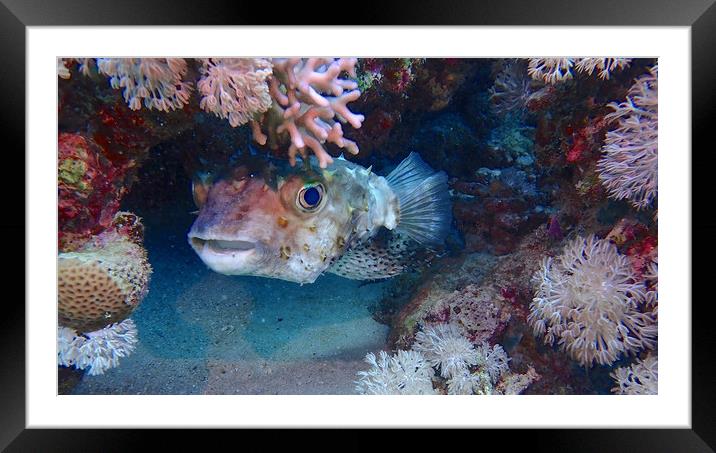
221, 246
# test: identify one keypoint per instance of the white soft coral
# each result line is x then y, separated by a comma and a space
444, 346
157, 82
640, 378
554, 70
405, 373
96, 351
588, 301
629, 165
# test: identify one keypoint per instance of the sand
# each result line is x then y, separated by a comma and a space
205, 333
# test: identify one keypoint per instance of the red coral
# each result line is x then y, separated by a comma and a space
641, 254
585, 139
90, 188
575, 151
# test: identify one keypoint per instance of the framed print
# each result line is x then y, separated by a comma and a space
445, 220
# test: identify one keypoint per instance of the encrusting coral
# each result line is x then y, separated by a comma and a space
629, 165
96, 351
310, 103
235, 88
640, 378
588, 302
102, 282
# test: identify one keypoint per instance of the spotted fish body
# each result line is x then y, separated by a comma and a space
344, 219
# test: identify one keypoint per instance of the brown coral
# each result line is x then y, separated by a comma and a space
101, 283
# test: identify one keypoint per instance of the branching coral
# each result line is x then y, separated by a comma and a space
640, 378
96, 351
588, 302
553, 70
155, 81
445, 347
628, 167
309, 97
405, 373
235, 88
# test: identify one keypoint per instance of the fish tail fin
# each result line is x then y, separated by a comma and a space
425, 210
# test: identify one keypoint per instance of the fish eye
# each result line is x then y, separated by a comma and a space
310, 196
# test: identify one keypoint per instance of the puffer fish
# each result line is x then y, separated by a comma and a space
298, 222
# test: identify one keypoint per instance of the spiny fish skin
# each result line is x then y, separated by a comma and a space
300, 223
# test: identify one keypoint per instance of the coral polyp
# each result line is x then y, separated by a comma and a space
405, 373
640, 378
629, 167
235, 88
588, 302
157, 83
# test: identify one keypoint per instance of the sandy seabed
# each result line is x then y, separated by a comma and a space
205, 333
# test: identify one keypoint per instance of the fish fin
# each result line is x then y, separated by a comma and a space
425, 210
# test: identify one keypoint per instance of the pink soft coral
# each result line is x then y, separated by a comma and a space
235, 88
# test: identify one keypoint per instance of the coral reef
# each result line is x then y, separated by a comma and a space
96, 351
588, 302
541, 161
405, 373
640, 378
102, 282
628, 168
235, 88
310, 103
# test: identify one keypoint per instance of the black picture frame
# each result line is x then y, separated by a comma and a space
700, 15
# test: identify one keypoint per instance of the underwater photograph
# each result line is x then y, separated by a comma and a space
357, 226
